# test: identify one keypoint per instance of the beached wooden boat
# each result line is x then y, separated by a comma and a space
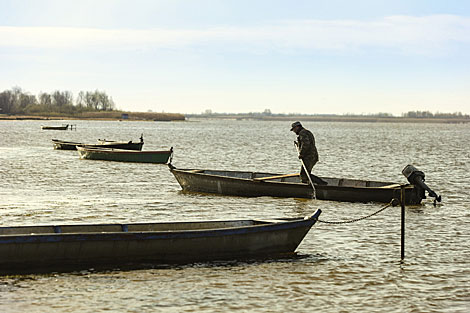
120, 155
63, 127
255, 184
64, 247
70, 145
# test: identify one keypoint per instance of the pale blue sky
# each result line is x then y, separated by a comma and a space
313, 57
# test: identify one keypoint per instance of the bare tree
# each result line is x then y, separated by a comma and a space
45, 99
7, 102
81, 99
62, 99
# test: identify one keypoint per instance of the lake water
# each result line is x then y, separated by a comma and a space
338, 268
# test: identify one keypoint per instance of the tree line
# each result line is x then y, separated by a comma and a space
427, 114
16, 101
268, 113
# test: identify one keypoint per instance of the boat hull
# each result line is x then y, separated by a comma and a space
120, 155
65, 145
68, 145
180, 243
65, 127
137, 146
246, 185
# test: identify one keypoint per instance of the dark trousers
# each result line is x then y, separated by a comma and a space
309, 163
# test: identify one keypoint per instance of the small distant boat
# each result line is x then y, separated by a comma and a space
63, 127
127, 145
29, 249
120, 155
65, 145
257, 184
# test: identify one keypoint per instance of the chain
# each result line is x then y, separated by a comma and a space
393, 202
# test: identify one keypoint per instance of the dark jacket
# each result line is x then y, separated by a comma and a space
307, 147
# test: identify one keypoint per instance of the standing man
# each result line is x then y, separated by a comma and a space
307, 149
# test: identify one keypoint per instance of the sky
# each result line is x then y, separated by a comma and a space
239, 56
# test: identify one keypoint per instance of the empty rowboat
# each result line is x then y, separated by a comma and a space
63, 127
120, 155
65, 145
127, 145
64, 247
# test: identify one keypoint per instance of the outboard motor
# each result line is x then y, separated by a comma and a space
416, 177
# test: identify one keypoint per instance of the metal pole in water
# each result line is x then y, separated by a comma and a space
402, 201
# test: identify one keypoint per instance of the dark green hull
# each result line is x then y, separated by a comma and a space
69, 145
30, 249
120, 155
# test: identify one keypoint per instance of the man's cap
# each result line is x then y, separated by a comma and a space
295, 124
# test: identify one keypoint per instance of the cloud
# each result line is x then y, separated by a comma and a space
434, 34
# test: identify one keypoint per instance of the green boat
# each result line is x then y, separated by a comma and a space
121, 155
63, 127
57, 248
127, 145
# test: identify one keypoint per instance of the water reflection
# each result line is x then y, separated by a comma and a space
337, 268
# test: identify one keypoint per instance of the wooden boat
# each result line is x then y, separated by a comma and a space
128, 145
63, 127
98, 153
65, 145
70, 145
255, 184
64, 247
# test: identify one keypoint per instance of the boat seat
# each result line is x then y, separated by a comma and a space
276, 176
390, 186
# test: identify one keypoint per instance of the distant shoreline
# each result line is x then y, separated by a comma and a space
149, 116
339, 118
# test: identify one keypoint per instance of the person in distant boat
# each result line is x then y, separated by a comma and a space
307, 149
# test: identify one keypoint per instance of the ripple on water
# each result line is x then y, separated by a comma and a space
351, 267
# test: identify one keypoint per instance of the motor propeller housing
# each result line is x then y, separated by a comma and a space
416, 177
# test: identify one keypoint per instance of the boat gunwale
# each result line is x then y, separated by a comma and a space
265, 226
187, 171
56, 127
85, 148
58, 141
132, 146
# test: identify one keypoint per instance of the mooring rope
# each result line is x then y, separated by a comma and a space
393, 202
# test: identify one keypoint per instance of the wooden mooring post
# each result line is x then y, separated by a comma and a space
402, 201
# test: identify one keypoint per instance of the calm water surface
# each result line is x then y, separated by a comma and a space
338, 268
